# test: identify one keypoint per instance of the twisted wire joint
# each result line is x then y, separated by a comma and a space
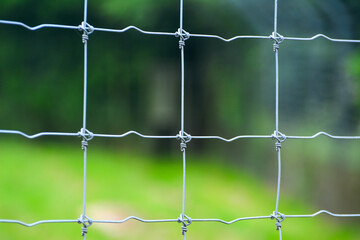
86, 135
86, 222
87, 29
279, 218
183, 35
279, 137
185, 138
277, 38
186, 221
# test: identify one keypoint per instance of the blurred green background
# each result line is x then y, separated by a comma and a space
134, 84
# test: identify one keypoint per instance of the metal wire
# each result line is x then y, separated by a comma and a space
123, 30
176, 220
276, 133
182, 39
184, 137
37, 223
323, 36
102, 135
83, 218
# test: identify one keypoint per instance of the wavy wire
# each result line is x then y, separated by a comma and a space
41, 26
176, 220
41, 134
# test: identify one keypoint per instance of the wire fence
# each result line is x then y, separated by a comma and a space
182, 136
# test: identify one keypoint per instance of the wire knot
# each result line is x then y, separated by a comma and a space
86, 222
186, 221
277, 40
279, 218
87, 29
280, 138
84, 144
183, 35
277, 146
185, 138
83, 231
85, 38
183, 146
87, 136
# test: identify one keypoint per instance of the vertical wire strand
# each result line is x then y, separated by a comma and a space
181, 14
182, 112
84, 117
182, 68
182, 132
84, 123
275, 16
84, 185
182, 91
277, 125
278, 182
184, 182
280, 234
276, 91
85, 10
85, 68
278, 144
276, 71
184, 187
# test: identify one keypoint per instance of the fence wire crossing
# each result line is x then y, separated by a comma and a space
182, 136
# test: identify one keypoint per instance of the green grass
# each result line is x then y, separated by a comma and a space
44, 181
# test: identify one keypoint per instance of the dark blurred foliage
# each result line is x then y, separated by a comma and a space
134, 79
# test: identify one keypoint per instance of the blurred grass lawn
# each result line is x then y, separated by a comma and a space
44, 181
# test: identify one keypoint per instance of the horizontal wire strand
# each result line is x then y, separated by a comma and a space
15, 132
134, 28
322, 212
176, 220
323, 134
78, 134
37, 223
229, 39
46, 25
133, 133
322, 36
231, 139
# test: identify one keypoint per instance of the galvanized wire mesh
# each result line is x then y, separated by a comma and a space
182, 136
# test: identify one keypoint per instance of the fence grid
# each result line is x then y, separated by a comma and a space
182, 136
